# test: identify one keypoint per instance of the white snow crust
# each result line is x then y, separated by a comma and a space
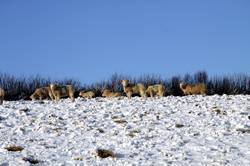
189, 130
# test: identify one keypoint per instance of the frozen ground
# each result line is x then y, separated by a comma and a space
191, 130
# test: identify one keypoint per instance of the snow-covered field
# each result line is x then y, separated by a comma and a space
191, 130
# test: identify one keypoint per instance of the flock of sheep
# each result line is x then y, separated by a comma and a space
55, 91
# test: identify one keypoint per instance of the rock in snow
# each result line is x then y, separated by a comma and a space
190, 130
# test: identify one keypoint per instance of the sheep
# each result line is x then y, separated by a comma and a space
155, 90
108, 93
1, 96
189, 89
42, 93
136, 89
88, 94
62, 91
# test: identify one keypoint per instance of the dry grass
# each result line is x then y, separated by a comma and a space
177, 125
31, 160
119, 121
14, 148
103, 153
78, 158
218, 111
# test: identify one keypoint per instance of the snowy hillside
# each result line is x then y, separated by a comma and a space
191, 130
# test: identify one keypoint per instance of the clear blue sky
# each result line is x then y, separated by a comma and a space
91, 39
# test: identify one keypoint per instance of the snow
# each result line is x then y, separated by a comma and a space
190, 130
